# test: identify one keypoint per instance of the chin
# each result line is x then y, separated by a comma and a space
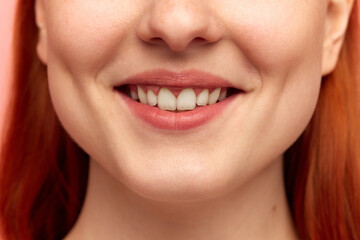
174, 180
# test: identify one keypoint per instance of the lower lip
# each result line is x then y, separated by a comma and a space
175, 120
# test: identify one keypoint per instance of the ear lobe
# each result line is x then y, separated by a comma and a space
41, 47
337, 18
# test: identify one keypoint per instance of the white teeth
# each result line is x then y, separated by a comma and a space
186, 99
203, 98
134, 95
151, 98
142, 95
166, 100
223, 95
214, 96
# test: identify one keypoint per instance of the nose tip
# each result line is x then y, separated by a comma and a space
178, 25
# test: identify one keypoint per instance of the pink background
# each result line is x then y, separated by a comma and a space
6, 20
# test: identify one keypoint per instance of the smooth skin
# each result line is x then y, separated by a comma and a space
222, 180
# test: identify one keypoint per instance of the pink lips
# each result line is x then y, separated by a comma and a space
167, 120
190, 78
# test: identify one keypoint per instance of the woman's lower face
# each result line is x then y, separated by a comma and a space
183, 100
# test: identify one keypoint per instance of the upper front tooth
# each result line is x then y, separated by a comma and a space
203, 98
186, 99
214, 96
142, 95
151, 98
166, 100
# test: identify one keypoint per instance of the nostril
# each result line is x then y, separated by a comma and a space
156, 40
199, 40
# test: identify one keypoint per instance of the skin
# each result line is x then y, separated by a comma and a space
222, 180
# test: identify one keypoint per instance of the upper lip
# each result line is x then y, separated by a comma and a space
188, 78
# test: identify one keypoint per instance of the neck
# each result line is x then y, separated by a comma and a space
256, 210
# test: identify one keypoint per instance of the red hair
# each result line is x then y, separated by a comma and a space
44, 172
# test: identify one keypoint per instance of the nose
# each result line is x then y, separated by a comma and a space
178, 24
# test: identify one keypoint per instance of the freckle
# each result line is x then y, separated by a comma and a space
274, 208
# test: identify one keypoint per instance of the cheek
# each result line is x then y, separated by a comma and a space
277, 34
284, 44
84, 36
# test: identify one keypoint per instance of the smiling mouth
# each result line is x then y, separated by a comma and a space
176, 99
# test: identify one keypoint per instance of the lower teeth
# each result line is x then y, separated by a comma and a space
176, 109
